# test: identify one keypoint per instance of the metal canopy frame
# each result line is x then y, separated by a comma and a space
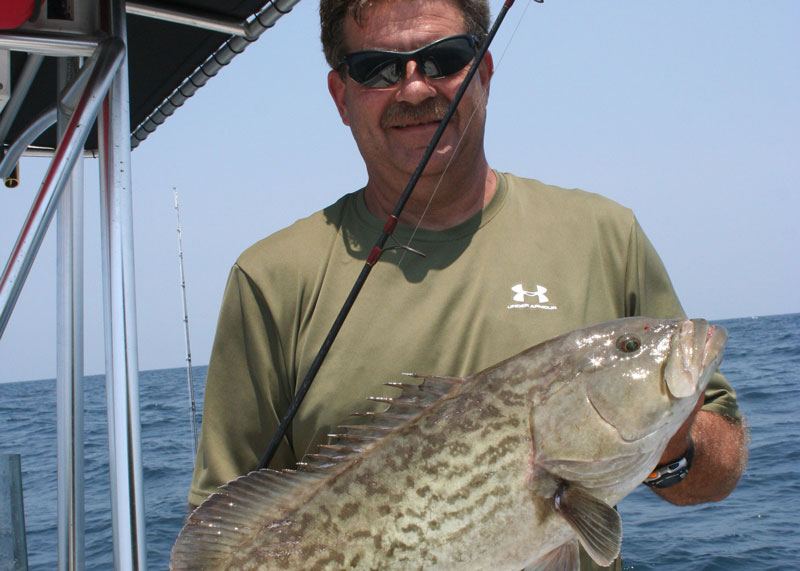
92, 86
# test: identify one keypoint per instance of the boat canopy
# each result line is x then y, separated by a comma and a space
174, 47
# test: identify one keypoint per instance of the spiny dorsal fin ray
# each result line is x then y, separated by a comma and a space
436, 383
598, 526
354, 436
408, 405
413, 400
233, 515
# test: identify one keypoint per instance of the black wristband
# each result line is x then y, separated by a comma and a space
674, 472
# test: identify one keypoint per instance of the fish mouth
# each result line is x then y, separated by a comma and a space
696, 352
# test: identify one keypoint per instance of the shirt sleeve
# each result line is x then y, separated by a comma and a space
649, 292
246, 385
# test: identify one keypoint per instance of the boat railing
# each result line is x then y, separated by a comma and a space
90, 41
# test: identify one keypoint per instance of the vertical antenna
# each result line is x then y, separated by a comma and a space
189, 378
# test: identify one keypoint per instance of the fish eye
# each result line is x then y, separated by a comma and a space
628, 343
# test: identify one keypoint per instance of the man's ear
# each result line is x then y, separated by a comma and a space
486, 71
336, 87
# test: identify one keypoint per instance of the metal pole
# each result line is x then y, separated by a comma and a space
23, 84
122, 374
69, 369
13, 549
189, 376
39, 125
56, 45
193, 18
67, 153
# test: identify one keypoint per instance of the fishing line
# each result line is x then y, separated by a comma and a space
377, 249
407, 246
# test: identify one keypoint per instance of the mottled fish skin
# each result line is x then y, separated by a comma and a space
504, 469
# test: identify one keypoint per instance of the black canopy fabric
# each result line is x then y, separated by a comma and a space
162, 56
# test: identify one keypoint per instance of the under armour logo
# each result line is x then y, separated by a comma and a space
521, 293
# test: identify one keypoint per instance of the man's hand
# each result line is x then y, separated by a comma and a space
679, 443
719, 457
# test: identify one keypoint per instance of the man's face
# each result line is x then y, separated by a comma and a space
393, 125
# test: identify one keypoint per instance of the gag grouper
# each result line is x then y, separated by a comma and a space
505, 469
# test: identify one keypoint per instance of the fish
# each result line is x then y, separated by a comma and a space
509, 468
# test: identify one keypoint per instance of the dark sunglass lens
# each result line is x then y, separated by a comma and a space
432, 67
375, 69
386, 75
447, 57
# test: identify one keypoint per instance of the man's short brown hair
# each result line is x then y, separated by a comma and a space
332, 14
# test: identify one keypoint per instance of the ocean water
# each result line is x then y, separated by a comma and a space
756, 527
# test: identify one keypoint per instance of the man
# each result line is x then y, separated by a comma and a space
505, 262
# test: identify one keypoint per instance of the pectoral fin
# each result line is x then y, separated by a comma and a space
563, 558
598, 526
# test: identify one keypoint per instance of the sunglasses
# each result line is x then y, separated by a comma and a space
380, 68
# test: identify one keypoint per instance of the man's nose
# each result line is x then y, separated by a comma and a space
415, 86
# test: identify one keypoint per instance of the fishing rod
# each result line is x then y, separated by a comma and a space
189, 376
377, 249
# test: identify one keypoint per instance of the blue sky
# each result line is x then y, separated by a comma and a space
686, 112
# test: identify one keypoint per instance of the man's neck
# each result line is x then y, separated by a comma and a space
436, 203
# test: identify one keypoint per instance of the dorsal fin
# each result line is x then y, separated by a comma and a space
354, 439
438, 384
241, 507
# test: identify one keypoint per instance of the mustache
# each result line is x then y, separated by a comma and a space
404, 113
